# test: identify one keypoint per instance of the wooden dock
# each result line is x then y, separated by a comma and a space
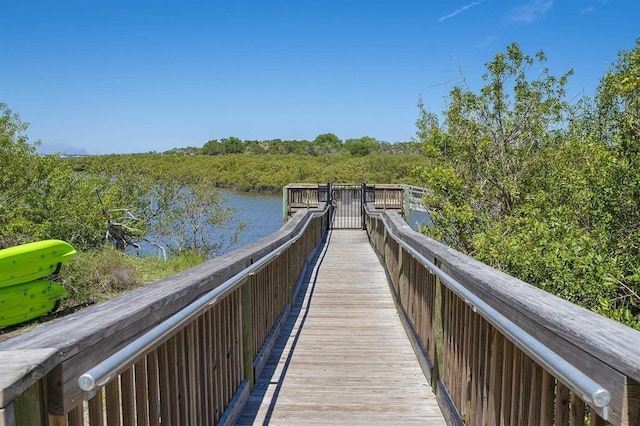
343, 356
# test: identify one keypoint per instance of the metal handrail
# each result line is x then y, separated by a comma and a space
591, 392
101, 374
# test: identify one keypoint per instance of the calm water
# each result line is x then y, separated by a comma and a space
262, 214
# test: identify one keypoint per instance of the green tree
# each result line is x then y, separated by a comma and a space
212, 147
546, 192
232, 145
41, 197
188, 215
484, 154
618, 101
361, 147
326, 144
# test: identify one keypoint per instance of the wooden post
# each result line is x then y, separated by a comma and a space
247, 332
330, 202
363, 201
631, 403
285, 204
290, 279
438, 323
401, 275
29, 407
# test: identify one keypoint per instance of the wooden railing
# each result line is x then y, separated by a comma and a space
388, 197
299, 196
482, 376
198, 371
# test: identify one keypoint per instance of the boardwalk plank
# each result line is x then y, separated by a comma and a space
343, 356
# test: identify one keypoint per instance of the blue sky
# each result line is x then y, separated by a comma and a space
150, 75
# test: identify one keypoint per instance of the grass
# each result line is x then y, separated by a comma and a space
102, 274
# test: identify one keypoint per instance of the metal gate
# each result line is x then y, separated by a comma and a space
347, 206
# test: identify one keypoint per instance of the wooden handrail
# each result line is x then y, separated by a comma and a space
477, 371
104, 372
171, 380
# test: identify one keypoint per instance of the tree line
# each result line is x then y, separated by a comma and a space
326, 144
259, 173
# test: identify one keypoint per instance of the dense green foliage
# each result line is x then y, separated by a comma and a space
45, 197
260, 172
41, 197
545, 190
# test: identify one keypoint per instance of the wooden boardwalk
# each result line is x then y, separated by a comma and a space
343, 356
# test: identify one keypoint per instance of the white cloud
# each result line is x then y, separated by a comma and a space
456, 12
587, 10
529, 12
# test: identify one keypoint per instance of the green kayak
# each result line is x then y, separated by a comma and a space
23, 302
32, 261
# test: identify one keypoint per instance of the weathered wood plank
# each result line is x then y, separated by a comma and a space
141, 395
154, 388
114, 413
547, 394
29, 407
576, 417
562, 404
75, 416
19, 369
343, 356
96, 410
128, 398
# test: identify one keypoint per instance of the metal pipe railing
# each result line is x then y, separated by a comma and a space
591, 392
103, 373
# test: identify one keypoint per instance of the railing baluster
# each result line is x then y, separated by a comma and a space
563, 397
96, 410
507, 383
495, 383
142, 402
534, 398
76, 416
128, 398
547, 394
112, 400
154, 388
577, 412
163, 379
